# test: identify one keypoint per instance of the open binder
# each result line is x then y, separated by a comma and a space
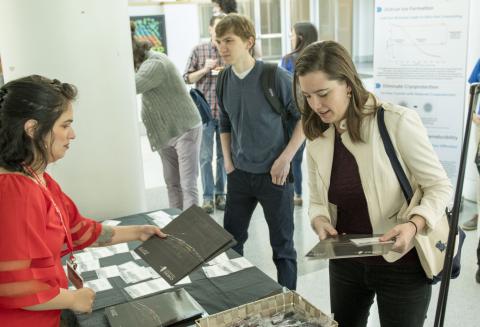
349, 246
193, 238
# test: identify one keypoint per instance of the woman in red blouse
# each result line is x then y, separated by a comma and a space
38, 222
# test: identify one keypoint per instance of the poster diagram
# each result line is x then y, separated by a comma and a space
416, 43
151, 29
419, 62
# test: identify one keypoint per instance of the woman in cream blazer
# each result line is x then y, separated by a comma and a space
353, 188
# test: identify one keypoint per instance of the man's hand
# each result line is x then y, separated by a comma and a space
279, 171
229, 167
210, 64
323, 228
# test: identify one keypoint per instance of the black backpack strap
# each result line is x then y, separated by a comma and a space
267, 80
390, 150
269, 90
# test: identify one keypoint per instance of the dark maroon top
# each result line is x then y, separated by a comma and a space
346, 192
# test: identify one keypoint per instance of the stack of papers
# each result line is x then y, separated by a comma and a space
193, 238
160, 218
227, 267
349, 246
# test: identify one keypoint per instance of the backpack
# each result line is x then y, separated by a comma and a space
202, 105
267, 80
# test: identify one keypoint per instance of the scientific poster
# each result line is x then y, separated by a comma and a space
420, 61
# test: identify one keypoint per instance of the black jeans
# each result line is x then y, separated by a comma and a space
403, 293
244, 191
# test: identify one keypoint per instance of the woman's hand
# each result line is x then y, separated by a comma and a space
402, 234
147, 231
83, 300
323, 228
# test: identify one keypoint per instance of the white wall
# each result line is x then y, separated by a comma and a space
363, 30
182, 24
145, 10
87, 43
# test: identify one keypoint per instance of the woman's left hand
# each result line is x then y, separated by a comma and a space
146, 231
403, 234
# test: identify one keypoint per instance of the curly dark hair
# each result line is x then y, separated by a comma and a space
140, 48
227, 6
30, 98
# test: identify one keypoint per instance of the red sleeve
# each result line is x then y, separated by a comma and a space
27, 265
84, 231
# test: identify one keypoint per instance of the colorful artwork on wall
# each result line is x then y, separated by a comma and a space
151, 29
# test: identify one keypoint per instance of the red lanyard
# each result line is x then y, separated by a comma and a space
57, 210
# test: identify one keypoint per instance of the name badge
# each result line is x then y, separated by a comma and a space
73, 276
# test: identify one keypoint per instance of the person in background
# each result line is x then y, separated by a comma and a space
257, 160
353, 194
172, 121
224, 7
473, 222
202, 69
302, 34
38, 222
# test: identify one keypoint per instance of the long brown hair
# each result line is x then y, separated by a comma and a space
334, 60
306, 34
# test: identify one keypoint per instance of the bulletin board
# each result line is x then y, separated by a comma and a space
151, 29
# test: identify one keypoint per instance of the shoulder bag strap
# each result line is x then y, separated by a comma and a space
390, 150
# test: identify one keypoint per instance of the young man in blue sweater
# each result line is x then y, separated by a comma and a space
256, 158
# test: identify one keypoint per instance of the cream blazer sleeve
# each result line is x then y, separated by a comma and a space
421, 161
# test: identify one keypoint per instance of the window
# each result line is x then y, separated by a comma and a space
299, 11
270, 32
335, 17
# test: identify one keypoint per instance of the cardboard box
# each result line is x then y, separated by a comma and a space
284, 302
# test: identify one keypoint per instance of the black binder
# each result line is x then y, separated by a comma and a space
177, 308
193, 238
